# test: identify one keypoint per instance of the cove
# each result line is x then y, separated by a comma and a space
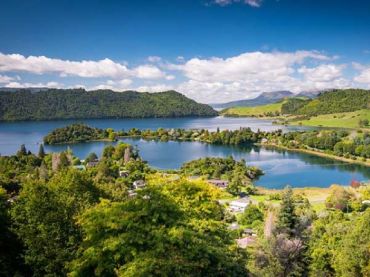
281, 167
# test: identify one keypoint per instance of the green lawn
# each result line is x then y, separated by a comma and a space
341, 120
254, 111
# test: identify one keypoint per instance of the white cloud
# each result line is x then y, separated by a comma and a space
149, 72
86, 69
364, 75
247, 66
33, 85
154, 59
154, 88
322, 73
5, 79
253, 3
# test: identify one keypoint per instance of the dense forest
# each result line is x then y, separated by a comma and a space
336, 101
60, 220
79, 103
76, 133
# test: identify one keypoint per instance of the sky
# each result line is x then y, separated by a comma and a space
212, 51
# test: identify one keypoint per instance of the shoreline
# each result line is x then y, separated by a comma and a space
317, 153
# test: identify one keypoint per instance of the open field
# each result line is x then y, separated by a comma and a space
254, 111
340, 120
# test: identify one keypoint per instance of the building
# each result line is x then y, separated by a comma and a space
123, 173
219, 183
79, 167
138, 184
245, 242
239, 205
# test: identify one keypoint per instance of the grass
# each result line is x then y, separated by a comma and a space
254, 111
339, 120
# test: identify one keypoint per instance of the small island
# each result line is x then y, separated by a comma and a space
344, 145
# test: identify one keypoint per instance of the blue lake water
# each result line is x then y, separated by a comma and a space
280, 167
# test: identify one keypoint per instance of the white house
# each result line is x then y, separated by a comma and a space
138, 184
239, 205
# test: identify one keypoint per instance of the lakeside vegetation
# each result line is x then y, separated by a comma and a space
58, 220
78, 104
340, 144
348, 108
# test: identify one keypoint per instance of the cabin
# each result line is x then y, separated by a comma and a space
245, 242
123, 173
219, 183
138, 184
239, 205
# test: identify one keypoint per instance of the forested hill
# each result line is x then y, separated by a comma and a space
79, 103
336, 101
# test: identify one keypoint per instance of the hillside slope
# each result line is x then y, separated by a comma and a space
336, 101
262, 99
79, 103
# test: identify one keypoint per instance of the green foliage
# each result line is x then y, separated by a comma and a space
336, 101
287, 218
74, 133
339, 198
252, 215
78, 103
44, 219
145, 235
339, 245
291, 105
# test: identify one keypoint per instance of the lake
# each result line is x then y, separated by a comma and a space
281, 167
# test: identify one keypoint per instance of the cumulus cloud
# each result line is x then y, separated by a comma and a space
33, 85
149, 72
86, 68
5, 79
154, 59
364, 74
322, 73
247, 66
253, 3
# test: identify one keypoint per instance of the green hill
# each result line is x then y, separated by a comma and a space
336, 101
78, 103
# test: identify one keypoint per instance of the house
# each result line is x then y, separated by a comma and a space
123, 173
219, 183
138, 184
249, 232
233, 226
79, 167
131, 193
92, 163
239, 205
245, 242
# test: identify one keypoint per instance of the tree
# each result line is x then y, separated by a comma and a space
339, 198
91, 157
44, 219
251, 215
22, 151
145, 235
41, 151
287, 219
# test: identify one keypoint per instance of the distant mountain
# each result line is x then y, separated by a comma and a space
40, 104
262, 99
310, 93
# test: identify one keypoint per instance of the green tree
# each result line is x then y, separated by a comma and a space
251, 215
144, 236
41, 151
44, 219
287, 218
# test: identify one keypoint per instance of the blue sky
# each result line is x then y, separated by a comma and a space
210, 50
